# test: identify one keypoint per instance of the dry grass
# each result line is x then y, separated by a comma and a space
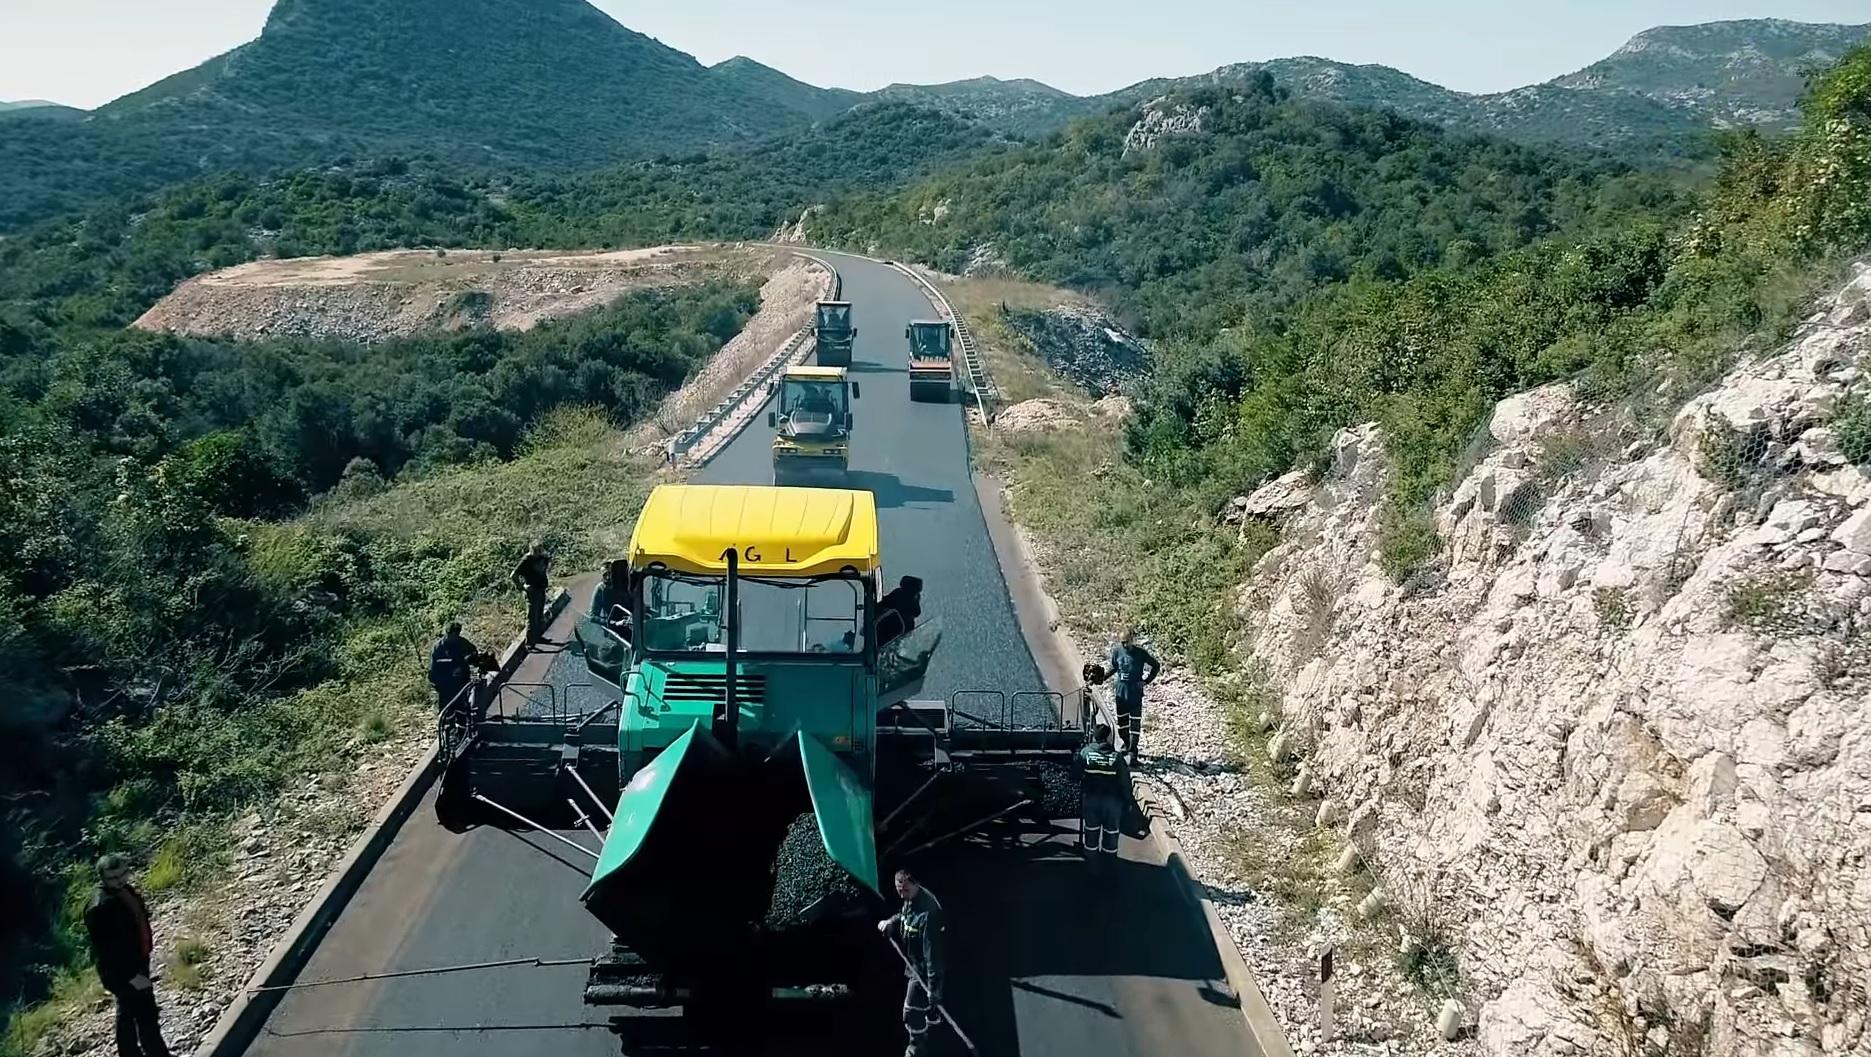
1316, 605
1018, 372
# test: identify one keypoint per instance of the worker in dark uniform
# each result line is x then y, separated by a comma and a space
451, 666
610, 600
1133, 668
919, 931
117, 921
898, 611
1106, 786
531, 575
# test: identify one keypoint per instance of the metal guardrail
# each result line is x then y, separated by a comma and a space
682, 443
980, 383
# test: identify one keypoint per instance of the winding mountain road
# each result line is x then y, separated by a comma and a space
1047, 963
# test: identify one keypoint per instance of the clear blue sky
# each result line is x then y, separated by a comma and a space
86, 52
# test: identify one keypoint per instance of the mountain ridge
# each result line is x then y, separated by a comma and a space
1647, 89
559, 85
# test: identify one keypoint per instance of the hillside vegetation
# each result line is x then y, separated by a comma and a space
103, 267
534, 85
1644, 313
167, 650
1657, 305
1644, 298
1188, 211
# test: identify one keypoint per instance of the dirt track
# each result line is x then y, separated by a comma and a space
376, 296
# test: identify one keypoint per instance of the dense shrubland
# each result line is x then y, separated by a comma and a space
1654, 304
1274, 199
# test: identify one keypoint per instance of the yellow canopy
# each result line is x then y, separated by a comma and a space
835, 374
778, 531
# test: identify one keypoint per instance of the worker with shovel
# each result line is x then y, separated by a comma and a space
451, 667
918, 933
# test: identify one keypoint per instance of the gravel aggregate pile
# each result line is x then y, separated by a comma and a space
805, 873
1060, 790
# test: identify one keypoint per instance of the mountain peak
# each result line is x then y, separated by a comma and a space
1746, 71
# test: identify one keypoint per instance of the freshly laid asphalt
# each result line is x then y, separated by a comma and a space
1047, 960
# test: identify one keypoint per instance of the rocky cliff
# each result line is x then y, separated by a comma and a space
1613, 745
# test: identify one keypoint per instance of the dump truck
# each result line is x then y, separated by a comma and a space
932, 370
811, 425
833, 333
769, 762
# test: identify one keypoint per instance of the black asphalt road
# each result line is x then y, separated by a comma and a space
1047, 961
914, 459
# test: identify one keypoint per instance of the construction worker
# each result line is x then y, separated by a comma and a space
117, 922
898, 611
610, 600
1106, 786
1133, 668
531, 575
920, 934
451, 666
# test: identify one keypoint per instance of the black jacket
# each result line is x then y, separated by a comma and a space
118, 925
449, 667
906, 604
532, 570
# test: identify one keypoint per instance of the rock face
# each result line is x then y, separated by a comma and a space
1615, 741
1035, 416
1162, 118
1084, 345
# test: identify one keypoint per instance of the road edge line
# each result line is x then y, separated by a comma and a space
241, 1022
1021, 572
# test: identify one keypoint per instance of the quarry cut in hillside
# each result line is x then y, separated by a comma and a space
1612, 745
376, 296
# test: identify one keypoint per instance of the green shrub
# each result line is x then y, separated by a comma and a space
1726, 456
167, 869
1613, 606
1406, 539
1771, 603
1852, 428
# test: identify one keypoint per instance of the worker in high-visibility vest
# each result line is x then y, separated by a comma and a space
1132, 669
920, 933
1106, 786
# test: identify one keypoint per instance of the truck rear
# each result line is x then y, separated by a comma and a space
833, 331
931, 366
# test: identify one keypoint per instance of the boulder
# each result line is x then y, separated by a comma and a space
1279, 496
1793, 516
1819, 446
1705, 865
1525, 416
1855, 533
